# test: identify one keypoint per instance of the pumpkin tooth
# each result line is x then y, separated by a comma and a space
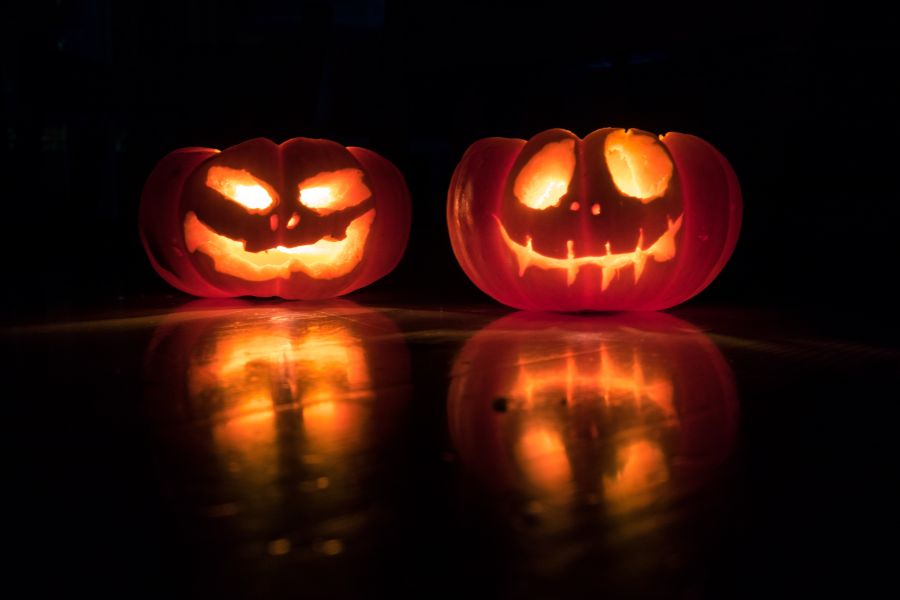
608, 274
639, 264
572, 270
663, 249
525, 257
640, 259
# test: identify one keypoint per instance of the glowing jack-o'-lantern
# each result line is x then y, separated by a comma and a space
270, 406
619, 220
619, 412
307, 219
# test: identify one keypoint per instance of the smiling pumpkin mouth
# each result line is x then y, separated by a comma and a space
662, 250
327, 258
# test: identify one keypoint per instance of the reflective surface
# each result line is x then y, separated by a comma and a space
598, 410
263, 449
590, 430
286, 415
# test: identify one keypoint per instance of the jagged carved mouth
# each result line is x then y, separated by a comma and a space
662, 250
327, 258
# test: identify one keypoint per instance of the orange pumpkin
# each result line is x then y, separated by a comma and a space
307, 219
621, 220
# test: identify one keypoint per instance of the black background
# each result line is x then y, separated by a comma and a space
803, 102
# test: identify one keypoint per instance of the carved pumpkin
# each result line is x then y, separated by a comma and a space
269, 407
307, 219
566, 411
619, 220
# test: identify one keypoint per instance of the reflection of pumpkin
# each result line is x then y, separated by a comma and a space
618, 220
268, 406
623, 410
307, 219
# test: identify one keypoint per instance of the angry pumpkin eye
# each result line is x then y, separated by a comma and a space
241, 187
544, 179
639, 166
330, 191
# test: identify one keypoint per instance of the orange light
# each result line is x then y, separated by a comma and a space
256, 373
552, 387
543, 457
662, 250
330, 191
325, 259
639, 165
241, 187
544, 179
572, 418
641, 469
582, 374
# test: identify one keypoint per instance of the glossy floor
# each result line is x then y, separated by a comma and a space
282, 449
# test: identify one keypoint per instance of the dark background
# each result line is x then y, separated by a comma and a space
803, 102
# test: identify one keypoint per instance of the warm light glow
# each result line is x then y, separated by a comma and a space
333, 190
331, 426
639, 165
325, 259
241, 187
662, 250
542, 454
544, 179
555, 392
317, 197
318, 375
588, 373
641, 469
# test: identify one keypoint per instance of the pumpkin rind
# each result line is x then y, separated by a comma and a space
206, 243
596, 246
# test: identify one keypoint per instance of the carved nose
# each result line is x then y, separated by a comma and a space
574, 206
595, 209
291, 223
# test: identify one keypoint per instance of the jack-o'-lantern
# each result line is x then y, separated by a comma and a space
307, 219
619, 220
618, 413
267, 407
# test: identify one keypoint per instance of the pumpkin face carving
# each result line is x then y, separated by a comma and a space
307, 219
619, 220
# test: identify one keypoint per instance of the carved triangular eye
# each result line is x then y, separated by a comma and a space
545, 178
239, 186
639, 165
330, 191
